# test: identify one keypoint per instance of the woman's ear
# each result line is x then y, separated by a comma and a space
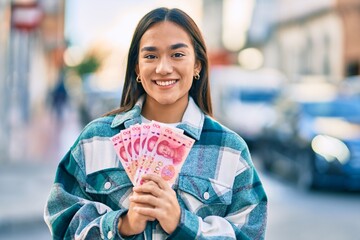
137, 69
197, 66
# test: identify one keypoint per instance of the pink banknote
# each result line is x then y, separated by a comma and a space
152, 148
135, 131
145, 129
123, 156
150, 141
126, 137
169, 154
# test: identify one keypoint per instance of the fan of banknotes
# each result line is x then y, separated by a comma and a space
152, 148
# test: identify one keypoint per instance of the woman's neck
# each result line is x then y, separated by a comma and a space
167, 113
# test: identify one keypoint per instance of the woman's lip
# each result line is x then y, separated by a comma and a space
165, 79
165, 83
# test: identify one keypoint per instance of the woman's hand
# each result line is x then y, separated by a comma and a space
162, 200
133, 222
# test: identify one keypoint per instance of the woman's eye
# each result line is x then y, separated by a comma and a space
178, 55
150, 57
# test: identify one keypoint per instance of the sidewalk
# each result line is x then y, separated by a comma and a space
25, 183
24, 189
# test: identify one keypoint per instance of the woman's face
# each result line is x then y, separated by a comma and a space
166, 63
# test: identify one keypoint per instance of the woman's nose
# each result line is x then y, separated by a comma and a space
164, 67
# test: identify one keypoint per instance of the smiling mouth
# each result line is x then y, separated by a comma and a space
165, 83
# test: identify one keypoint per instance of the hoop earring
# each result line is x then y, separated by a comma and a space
197, 76
138, 79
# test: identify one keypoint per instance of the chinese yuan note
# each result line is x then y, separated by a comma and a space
152, 148
145, 129
135, 131
121, 153
151, 139
169, 154
126, 137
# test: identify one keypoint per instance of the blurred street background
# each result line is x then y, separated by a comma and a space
285, 75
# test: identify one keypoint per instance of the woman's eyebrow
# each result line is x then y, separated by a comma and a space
149, 49
178, 45
172, 47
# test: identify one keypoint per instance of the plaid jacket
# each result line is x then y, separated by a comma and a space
218, 189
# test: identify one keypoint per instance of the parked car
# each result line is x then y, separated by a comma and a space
315, 143
243, 99
350, 85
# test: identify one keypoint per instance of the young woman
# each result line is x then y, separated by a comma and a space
218, 194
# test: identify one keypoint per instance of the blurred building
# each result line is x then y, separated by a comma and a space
213, 27
226, 23
4, 37
308, 38
349, 11
32, 40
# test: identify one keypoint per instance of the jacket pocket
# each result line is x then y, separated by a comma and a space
204, 194
107, 181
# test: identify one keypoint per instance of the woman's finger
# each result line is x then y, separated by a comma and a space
153, 212
149, 187
146, 200
156, 179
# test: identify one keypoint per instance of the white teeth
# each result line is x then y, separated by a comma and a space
165, 83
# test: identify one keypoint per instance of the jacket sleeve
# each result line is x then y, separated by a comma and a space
71, 213
246, 216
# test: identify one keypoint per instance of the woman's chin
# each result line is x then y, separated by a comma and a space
166, 101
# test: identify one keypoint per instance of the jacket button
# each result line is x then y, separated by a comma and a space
110, 235
206, 195
107, 185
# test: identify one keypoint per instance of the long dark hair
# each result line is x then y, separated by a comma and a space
200, 89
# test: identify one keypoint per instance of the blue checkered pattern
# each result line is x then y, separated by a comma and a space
218, 189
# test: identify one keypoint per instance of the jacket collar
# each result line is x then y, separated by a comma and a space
192, 121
